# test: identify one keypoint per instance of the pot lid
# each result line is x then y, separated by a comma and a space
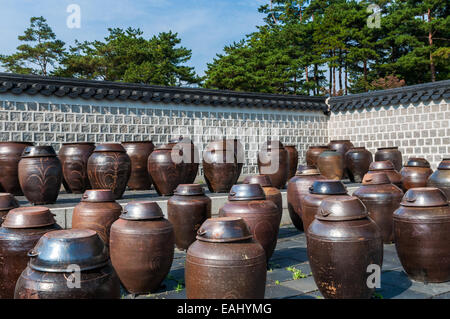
144, 210
328, 187
189, 189
98, 196
376, 179
223, 230
246, 192
272, 145
58, 249
29, 217
381, 166
263, 180
110, 147
304, 170
7, 202
424, 197
417, 162
445, 164
337, 208
39, 151
320, 146
388, 148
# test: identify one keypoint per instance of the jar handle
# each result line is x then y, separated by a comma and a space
201, 232
324, 213
32, 253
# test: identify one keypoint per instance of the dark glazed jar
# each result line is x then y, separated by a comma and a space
273, 194
273, 161
190, 158
19, 233
220, 165
261, 215
97, 211
7, 202
52, 260
142, 247
381, 199
225, 262
390, 154
415, 173
441, 177
318, 191
292, 159
109, 167
187, 210
422, 234
297, 189
387, 168
357, 161
331, 165
74, 158
342, 242
313, 153
139, 152
40, 174
342, 147
10, 153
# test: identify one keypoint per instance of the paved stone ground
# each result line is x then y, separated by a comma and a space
290, 259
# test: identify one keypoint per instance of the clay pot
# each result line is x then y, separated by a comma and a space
109, 167
341, 146
381, 199
139, 152
189, 156
387, 168
318, 191
422, 234
331, 165
262, 216
40, 174
142, 247
19, 233
415, 173
390, 154
7, 202
297, 189
56, 256
220, 165
441, 177
292, 155
97, 211
313, 152
273, 194
74, 158
225, 262
187, 210
273, 161
342, 242
357, 161
10, 154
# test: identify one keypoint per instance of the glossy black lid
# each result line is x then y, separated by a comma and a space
246, 192
7, 202
98, 196
424, 197
142, 210
340, 208
417, 162
263, 180
224, 229
39, 151
328, 187
29, 217
189, 190
110, 147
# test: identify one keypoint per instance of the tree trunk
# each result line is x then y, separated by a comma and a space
430, 42
345, 79
365, 75
316, 79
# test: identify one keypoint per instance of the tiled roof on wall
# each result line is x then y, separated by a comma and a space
402, 95
99, 90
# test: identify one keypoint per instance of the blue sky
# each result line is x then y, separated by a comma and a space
204, 26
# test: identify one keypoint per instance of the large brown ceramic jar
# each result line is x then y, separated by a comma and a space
273, 194
187, 210
342, 242
441, 177
357, 161
297, 189
387, 168
10, 153
273, 161
142, 247
109, 167
139, 151
20, 231
292, 159
225, 262
390, 154
40, 174
74, 158
341, 146
220, 165
189, 156
331, 165
319, 190
422, 234
261, 215
381, 199
313, 152
97, 211
7, 202
415, 173
59, 258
